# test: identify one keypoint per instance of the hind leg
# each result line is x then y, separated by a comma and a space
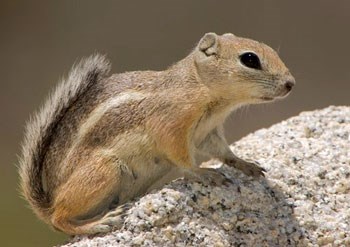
82, 204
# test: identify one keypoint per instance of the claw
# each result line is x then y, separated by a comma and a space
248, 168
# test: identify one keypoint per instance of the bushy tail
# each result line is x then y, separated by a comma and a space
39, 128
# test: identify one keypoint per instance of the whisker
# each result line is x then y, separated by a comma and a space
269, 84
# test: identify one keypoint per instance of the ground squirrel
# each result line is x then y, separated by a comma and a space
100, 141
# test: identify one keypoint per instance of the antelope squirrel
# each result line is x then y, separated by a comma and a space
99, 141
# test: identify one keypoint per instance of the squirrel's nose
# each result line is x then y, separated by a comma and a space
289, 84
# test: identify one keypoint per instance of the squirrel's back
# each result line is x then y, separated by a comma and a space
41, 127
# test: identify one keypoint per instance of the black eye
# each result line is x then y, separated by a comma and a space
250, 60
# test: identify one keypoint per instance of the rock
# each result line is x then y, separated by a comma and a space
304, 200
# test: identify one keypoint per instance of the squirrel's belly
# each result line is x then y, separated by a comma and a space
145, 175
141, 166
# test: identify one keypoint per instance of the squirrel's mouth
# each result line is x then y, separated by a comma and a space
280, 95
266, 98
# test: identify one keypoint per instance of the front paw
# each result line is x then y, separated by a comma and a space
248, 168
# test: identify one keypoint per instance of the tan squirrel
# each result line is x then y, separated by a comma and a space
100, 141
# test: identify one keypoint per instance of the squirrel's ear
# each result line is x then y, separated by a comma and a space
231, 35
209, 44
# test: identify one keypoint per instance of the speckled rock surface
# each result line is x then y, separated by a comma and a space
304, 200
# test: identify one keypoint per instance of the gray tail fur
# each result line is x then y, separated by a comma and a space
40, 126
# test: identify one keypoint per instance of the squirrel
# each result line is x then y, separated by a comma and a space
99, 141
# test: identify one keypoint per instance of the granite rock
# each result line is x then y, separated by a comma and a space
304, 199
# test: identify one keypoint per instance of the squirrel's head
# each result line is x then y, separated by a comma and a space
240, 69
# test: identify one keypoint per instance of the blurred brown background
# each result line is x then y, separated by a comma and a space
40, 40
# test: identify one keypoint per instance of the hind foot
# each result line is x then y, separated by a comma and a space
112, 220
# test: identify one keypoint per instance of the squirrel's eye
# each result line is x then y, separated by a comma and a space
250, 60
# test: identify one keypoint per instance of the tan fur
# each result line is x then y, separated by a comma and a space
101, 141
